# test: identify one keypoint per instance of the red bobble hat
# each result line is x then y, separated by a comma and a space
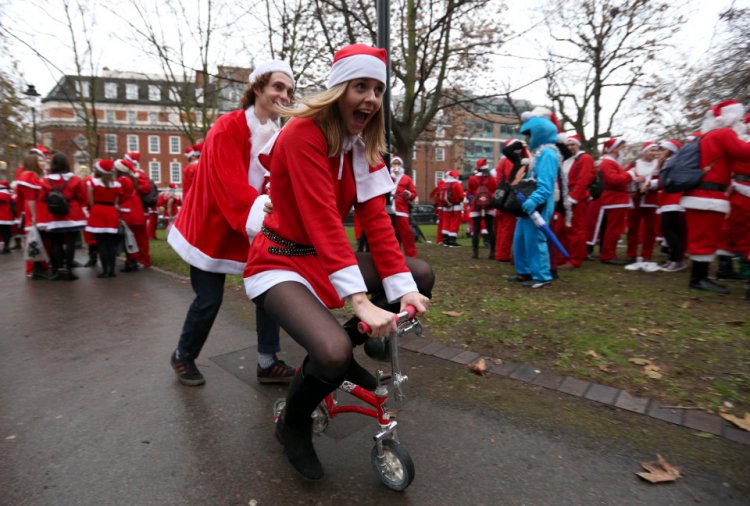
358, 61
611, 144
105, 166
124, 166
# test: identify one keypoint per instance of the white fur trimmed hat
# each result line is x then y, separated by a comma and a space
723, 115
358, 61
271, 66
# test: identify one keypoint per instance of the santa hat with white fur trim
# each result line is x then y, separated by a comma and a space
271, 66
124, 166
611, 144
358, 61
575, 138
397, 159
671, 145
723, 115
40, 150
648, 145
105, 166
133, 157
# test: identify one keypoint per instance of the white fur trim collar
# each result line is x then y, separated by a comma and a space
260, 135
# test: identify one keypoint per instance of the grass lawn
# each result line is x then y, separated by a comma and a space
646, 333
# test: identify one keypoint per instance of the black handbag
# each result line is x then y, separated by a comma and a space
512, 205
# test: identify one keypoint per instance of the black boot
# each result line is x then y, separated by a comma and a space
726, 270
474, 251
699, 279
747, 291
294, 427
92, 257
492, 252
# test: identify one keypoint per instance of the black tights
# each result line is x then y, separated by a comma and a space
63, 249
107, 248
673, 229
477, 229
313, 326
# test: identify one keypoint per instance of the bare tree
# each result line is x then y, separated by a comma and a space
601, 53
439, 49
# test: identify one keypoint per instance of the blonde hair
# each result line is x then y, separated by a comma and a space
323, 108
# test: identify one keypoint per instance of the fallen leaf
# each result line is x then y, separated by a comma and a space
685, 305
492, 440
633, 329
742, 423
659, 471
478, 367
592, 354
452, 313
705, 435
653, 374
276, 481
651, 367
639, 360
736, 322
497, 361
604, 368
655, 332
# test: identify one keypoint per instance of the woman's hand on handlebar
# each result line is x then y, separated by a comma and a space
381, 322
416, 299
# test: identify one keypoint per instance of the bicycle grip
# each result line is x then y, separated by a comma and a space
408, 312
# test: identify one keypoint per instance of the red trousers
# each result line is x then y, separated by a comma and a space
141, 238
452, 223
505, 227
704, 233
592, 217
736, 234
574, 236
616, 221
152, 221
406, 236
641, 230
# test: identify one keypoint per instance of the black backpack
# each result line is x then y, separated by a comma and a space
150, 199
596, 188
682, 171
56, 201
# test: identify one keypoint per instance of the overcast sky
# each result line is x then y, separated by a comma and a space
34, 23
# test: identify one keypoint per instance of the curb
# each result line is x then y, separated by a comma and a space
610, 396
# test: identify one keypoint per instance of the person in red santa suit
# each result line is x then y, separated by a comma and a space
193, 154
615, 200
328, 157
672, 214
580, 174
436, 195
142, 188
404, 193
221, 213
104, 193
169, 204
516, 156
453, 208
35, 214
481, 188
735, 238
7, 216
706, 205
131, 209
64, 229
642, 216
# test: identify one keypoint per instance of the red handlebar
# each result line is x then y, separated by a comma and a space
407, 313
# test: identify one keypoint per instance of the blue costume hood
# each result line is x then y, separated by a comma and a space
542, 131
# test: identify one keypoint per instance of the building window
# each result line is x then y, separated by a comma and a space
175, 172
440, 132
110, 143
131, 91
154, 93
154, 171
109, 116
153, 144
414, 153
133, 143
153, 117
175, 147
110, 90
439, 154
174, 95
132, 115
83, 89
439, 176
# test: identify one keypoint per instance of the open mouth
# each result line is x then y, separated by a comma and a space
361, 116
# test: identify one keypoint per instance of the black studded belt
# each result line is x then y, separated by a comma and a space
288, 248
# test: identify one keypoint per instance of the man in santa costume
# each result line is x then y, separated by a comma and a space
615, 200
168, 203
436, 195
453, 197
642, 221
222, 212
143, 188
193, 154
402, 194
483, 185
721, 150
580, 172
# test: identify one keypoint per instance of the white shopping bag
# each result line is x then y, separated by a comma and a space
131, 246
34, 250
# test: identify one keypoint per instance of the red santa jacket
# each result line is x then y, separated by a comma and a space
75, 193
401, 204
169, 202
616, 182
740, 195
454, 196
580, 177
436, 194
131, 208
313, 193
221, 208
7, 217
474, 182
29, 189
724, 149
646, 192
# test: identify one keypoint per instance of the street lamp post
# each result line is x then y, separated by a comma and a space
384, 41
33, 94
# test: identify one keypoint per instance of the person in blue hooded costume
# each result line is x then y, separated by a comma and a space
530, 251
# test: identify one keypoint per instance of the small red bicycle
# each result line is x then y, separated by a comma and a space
390, 460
